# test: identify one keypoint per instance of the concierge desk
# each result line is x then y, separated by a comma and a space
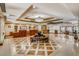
23, 33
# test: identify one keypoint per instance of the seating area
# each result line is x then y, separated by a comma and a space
40, 37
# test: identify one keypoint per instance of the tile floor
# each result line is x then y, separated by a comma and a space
35, 49
60, 45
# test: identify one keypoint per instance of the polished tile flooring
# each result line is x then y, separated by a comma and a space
33, 49
37, 49
58, 45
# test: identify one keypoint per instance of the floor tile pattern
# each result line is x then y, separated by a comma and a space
34, 49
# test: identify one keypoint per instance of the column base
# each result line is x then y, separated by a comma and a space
1, 44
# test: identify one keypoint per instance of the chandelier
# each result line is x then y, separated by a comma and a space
39, 19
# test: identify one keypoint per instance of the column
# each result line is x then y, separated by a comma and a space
2, 30
2, 22
39, 27
78, 25
60, 30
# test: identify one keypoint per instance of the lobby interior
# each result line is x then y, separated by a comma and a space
39, 29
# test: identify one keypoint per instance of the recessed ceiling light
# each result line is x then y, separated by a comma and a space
34, 6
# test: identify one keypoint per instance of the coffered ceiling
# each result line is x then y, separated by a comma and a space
68, 12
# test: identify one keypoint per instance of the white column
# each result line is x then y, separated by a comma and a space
78, 25
28, 38
2, 30
27, 28
39, 27
60, 30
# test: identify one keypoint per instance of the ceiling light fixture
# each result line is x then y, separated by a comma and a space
39, 19
34, 6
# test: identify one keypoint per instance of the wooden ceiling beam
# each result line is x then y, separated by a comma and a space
27, 10
31, 20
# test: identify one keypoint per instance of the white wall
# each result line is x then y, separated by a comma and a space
54, 27
57, 27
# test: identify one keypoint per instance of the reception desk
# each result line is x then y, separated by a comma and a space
23, 33
33, 32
